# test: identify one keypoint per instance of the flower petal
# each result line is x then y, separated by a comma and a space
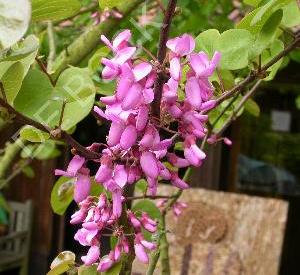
175, 68
142, 118
92, 255
148, 163
128, 137
115, 133
141, 71
192, 91
132, 98
141, 253
82, 188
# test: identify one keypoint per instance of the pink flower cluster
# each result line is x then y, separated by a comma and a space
140, 244
96, 215
135, 149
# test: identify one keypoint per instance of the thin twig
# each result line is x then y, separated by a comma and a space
150, 54
80, 149
239, 107
221, 81
253, 75
52, 47
15, 173
62, 113
161, 55
44, 69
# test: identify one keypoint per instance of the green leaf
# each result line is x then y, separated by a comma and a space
43, 103
110, 3
62, 263
54, 9
253, 3
267, 34
94, 61
148, 207
44, 151
28, 172
276, 47
88, 270
234, 47
115, 270
14, 21
33, 135
21, 50
291, 15
255, 20
15, 63
62, 195
141, 185
12, 81
61, 268
206, 41
252, 107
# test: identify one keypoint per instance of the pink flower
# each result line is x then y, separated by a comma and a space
92, 255
182, 45
149, 164
202, 66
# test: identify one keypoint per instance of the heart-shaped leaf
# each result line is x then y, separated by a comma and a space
44, 103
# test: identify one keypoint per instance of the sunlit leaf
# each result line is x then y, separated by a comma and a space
62, 195
54, 9
14, 21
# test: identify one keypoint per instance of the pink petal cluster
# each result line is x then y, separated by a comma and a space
135, 147
95, 216
140, 244
81, 174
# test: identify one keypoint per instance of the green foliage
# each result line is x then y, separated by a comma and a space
141, 185
33, 135
276, 47
252, 107
234, 55
147, 206
62, 263
28, 172
87, 270
62, 195
41, 101
291, 15
54, 9
256, 19
12, 80
14, 65
114, 270
110, 3
14, 21
267, 34
41, 151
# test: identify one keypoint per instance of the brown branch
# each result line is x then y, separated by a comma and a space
239, 107
61, 135
161, 55
256, 74
44, 69
3, 91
